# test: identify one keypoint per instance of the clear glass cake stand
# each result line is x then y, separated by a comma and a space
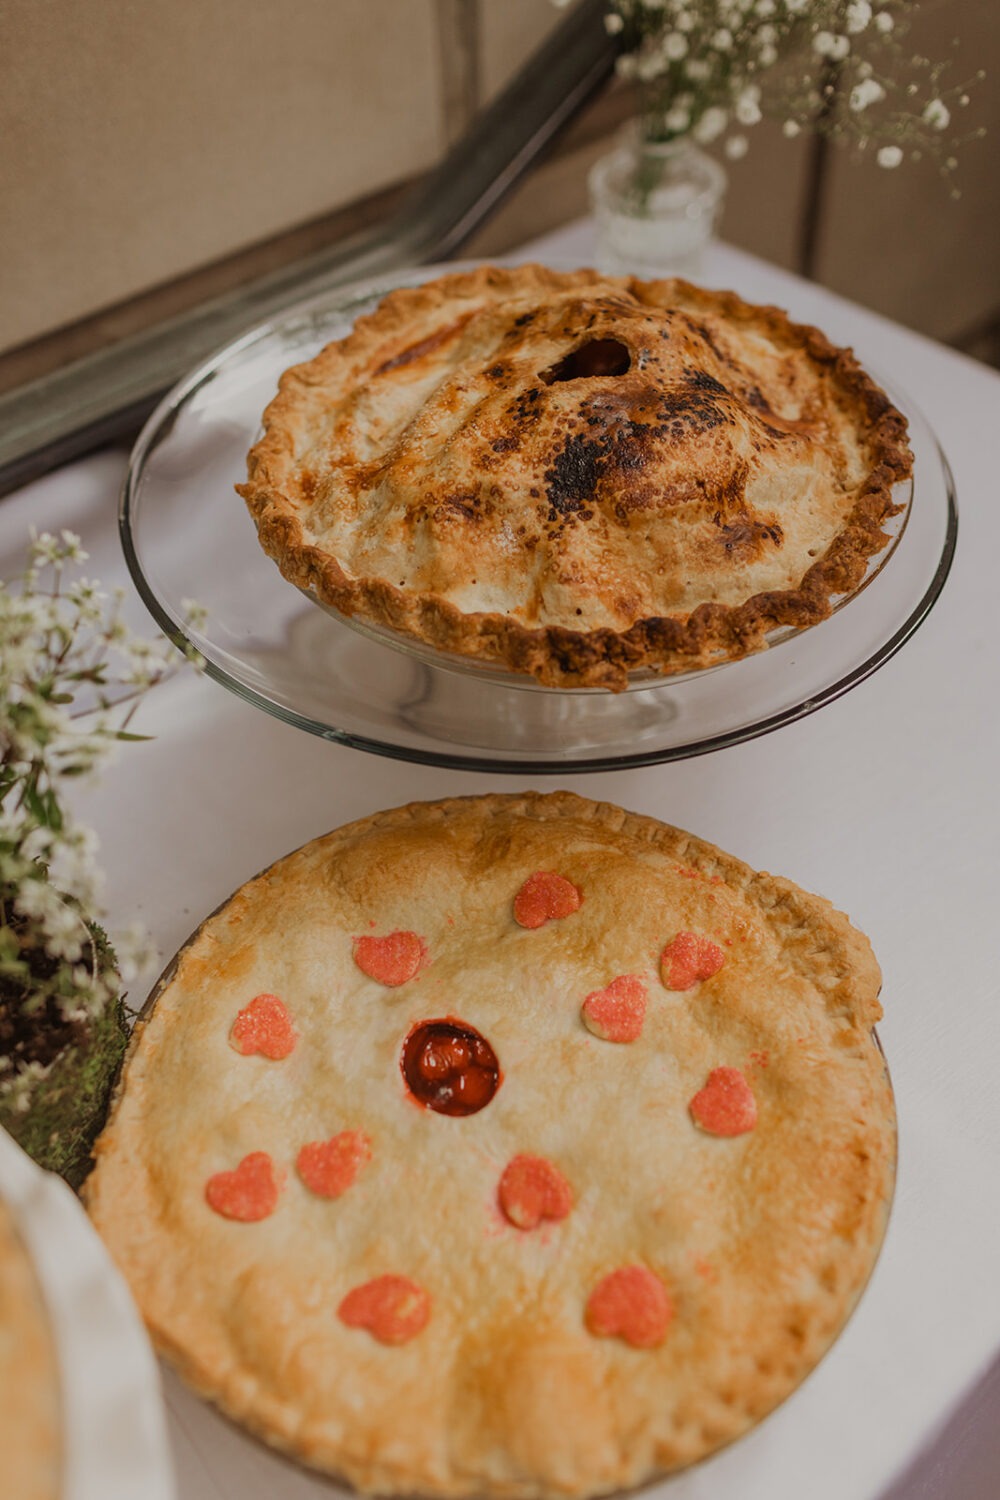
187, 536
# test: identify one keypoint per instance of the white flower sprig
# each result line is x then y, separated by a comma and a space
71, 677
712, 69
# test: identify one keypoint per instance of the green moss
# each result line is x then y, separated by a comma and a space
68, 1102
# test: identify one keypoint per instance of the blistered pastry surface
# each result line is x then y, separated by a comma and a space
592, 1278
575, 475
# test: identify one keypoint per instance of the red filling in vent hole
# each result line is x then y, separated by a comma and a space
450, 1067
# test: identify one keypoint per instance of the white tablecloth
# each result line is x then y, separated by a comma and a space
885, 801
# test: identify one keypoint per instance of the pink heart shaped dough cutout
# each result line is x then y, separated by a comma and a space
726, 1105
617, 1013
391, 960
688, 959
264, 1026
532, 1189
249, 1193
545, 897
393, 1309
329, 1168
630, 1304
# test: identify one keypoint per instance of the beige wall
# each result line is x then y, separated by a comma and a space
141, 139
143, 143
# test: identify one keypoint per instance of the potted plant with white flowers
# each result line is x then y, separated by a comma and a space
71, 676
707, 71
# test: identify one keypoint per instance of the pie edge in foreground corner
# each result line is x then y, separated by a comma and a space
556, 655
31, 1418
776, 899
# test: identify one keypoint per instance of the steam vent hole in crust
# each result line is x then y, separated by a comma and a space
596, 357
450, 1067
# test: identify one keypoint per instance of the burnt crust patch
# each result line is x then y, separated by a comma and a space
574, 476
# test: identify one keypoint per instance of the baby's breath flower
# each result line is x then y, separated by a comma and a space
747, 110
89, 599
677, 119
136, 954
20, 1089
711, 125
889, 156
81, 976
65, 658
73, 865
50, 551
34, 897
848, 76
737, 146
831, 45
865, 93
195, 614
937, 114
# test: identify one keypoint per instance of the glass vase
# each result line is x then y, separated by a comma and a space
656, 205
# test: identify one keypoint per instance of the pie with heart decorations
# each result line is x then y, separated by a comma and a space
503, 1146
575, 476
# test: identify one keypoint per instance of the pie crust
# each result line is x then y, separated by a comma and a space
577, 476
29, 1382
593, 1277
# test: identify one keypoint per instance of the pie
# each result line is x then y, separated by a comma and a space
576, 476
29, 1406
503, 1146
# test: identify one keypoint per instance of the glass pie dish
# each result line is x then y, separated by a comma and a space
187, 537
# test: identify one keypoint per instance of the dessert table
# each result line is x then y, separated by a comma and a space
884, 800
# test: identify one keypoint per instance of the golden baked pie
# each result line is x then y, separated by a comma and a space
30, 1459
503, 1146
577, 476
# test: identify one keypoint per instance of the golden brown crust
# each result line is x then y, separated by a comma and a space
764, 1241
446, 471
29, 1381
